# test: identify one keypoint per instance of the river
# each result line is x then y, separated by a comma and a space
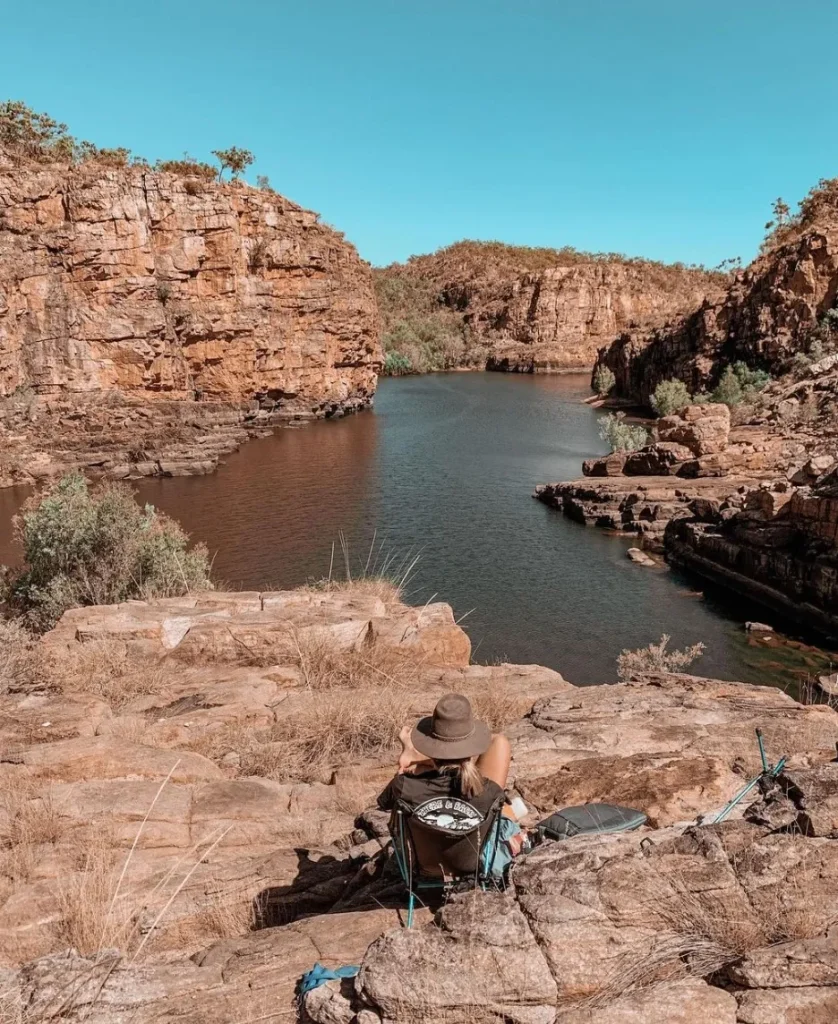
443, 468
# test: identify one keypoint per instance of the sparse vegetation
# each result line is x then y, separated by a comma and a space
622, 436
604, 381
86, 546
396, 364
234, 160
424, 302
739, 383
188, 167
29, 136
656, 658
670, 396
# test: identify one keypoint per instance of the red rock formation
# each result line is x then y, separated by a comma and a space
769, 312
531, 310
142, 285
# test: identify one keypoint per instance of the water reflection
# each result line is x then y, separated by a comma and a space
445, 466
272, 512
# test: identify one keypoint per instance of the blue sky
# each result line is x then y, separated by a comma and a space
661, 128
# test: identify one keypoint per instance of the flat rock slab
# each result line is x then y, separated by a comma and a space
674, 746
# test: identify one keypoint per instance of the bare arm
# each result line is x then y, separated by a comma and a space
410, 759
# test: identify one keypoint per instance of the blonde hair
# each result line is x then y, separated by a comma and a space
469, 779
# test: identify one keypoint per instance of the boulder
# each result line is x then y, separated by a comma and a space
661, 459
609, 465
704, 429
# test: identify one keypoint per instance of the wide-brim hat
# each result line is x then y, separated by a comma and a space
451, 733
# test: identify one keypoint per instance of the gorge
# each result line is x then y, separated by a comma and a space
188, 782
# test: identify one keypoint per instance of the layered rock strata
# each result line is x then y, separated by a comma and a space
770, 311
262, 874
127, 289
696, 461
535, 310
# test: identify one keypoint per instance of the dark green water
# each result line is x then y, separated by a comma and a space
445, 467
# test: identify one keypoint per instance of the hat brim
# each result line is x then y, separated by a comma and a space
425, 742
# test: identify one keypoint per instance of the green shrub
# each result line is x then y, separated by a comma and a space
751, 381
622, 436
728, 391
739, 383
670, 396
604, 381
86, 547
396, 365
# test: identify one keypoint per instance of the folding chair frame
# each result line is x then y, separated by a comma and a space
407, 862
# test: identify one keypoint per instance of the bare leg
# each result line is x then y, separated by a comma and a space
494, 764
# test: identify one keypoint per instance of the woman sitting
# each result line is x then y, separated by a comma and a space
452, 766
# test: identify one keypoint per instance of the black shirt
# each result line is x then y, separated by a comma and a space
437, 853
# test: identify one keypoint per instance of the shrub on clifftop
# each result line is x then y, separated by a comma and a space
99, 546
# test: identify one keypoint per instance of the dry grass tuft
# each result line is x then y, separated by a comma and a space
21, 660
498, 705
387, 590
225, 920
341, 727
29, 820
654, 659
93, 915
103, 668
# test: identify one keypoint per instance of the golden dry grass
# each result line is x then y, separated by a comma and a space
103, 667
497, 704
29, 820
701, 932
338, 728
21, 665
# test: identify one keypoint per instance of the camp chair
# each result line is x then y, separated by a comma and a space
444, 821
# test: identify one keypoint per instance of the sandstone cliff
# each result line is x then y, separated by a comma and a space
504, 307
771, 310
123, 286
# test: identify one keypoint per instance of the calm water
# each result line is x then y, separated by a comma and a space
445, 467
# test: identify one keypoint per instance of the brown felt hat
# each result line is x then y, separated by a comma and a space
451, 733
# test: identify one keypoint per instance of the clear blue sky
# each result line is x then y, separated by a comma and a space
661, 128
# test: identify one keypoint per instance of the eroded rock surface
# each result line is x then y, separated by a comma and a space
203, 830
535, 310
131, 299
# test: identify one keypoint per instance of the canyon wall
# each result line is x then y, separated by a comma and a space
151, 283
770, 311
528, 310
151, 318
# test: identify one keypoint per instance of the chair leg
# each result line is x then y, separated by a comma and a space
411, 899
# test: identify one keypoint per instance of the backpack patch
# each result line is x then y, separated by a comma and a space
448, 814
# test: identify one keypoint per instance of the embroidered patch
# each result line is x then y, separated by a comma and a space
448, 814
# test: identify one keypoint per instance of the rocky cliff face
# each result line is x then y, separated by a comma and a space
140, 285
770, 311
526, 310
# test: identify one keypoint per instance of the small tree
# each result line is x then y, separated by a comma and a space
604, 381
654, 659
233, 159
622, 436
263, 182
670, 396
728, 391
85, 547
